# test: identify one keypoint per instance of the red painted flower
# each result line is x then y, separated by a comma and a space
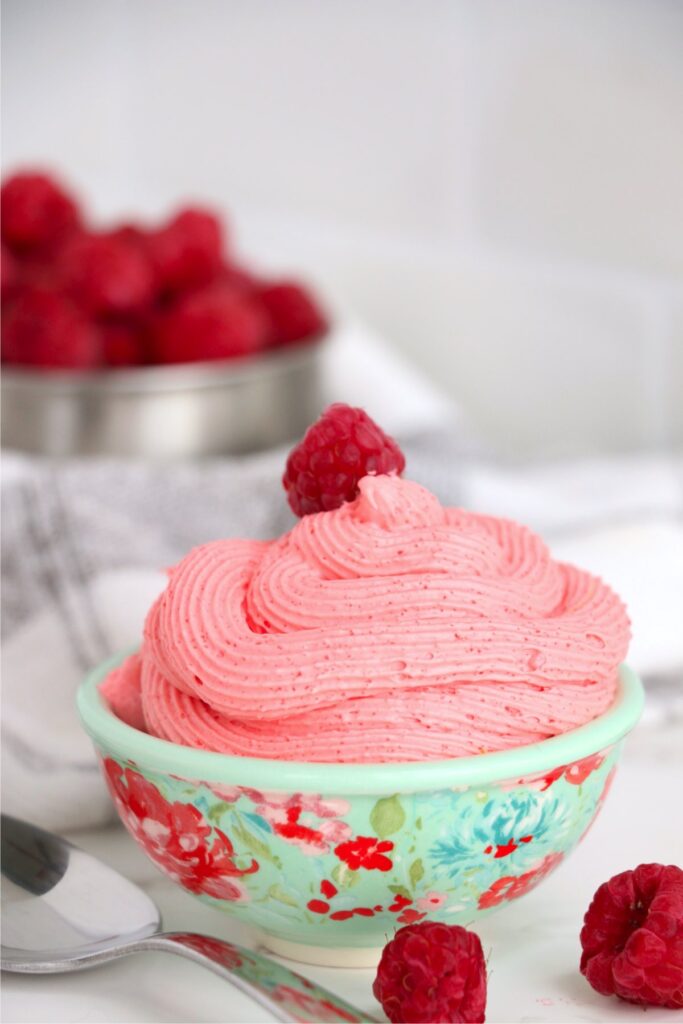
311, 840
344, 915
579, 771
575, 773
323, 907
432, 901
313, 1006
505, 849
410, 916
552, 776
177, 837
366, 852
222, 952
318, 906
510, 887
306, 820
400, 903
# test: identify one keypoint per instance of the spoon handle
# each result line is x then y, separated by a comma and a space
292, 998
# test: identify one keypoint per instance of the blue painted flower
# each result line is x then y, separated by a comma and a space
503, 833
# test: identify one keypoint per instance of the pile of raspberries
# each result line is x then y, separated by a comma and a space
75, 298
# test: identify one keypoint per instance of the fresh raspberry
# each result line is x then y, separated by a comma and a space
336, 452
36, 212
293, 312
123, 344
107, 274
31, 270
11, 275
236, 278
187, 251
432, 972
45, 329
215, 323
632, 936
132, 234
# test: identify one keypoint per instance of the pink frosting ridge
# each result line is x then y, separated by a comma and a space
390, 629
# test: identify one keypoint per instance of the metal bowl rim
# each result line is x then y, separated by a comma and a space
176, 377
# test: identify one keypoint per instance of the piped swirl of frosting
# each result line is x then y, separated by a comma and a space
390, 629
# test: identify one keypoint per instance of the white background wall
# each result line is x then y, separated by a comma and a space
495, 184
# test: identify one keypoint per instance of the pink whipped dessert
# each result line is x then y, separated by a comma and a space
387, 629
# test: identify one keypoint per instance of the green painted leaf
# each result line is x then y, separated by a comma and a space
400, 890
252, 842
344, 877
387, 816
278, 893
416, 872
216, 811
418, 824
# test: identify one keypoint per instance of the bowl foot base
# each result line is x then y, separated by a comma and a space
322, 956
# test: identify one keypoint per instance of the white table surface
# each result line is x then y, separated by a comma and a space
532, 944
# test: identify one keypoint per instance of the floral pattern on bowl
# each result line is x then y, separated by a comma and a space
299, 996
341, 871
327, 860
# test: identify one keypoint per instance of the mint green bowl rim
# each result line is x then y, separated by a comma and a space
116, 737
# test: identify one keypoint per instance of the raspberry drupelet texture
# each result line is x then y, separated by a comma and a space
132, 234
9, 271
43, 328
123, 344
430, 973
237, 279
107, 274
632, 937
293, 312
215, 323
187, 251
36, 212
336, 452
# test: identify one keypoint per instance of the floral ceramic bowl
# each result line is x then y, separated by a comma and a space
327, 860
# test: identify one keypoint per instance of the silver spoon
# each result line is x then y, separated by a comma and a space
64, 910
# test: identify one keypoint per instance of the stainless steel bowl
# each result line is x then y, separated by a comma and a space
156, 412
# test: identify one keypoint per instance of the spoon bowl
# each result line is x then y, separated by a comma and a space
62, 907
64, 910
